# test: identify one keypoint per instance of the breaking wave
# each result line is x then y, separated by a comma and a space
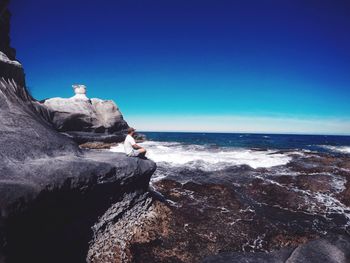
338, 149
209, 157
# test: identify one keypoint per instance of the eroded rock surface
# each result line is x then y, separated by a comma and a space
82, 117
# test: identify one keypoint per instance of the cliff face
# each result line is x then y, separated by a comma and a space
5, 30
51, 191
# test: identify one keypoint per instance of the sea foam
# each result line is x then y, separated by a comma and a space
339, 149
209, 157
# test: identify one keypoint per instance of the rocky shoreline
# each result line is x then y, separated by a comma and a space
248, 218
65, 203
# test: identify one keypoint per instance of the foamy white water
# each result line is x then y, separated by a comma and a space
339, 149
209, 158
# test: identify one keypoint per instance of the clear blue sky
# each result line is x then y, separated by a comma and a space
282, 64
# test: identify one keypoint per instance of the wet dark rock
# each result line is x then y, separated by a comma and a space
238, 210
332, 249
321, 183
279, 256
135, 219
198, 220
344, 196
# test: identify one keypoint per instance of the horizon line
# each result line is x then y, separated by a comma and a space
255, 133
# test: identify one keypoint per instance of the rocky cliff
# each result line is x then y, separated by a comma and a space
5, 30
51, 191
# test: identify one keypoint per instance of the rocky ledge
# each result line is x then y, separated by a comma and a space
51, 191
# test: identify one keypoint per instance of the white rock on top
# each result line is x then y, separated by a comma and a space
80, 92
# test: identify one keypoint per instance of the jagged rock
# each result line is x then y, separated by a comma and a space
136, 219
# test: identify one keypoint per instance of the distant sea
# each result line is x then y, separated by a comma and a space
320, 143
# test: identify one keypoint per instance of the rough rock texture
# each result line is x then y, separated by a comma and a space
152, 231
77, 114
138, 219
331, 249
51, 191
241, 210
24, 134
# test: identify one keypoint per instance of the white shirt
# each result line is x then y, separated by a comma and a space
128, 143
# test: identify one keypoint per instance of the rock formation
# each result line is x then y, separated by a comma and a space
5, 30
60, 203
86, 119
51, 191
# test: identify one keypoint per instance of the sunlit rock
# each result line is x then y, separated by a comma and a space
81, 114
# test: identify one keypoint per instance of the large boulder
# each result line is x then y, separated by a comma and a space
81, 114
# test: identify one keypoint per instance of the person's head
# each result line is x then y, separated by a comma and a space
131, 131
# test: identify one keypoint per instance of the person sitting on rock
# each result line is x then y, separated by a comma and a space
130, 147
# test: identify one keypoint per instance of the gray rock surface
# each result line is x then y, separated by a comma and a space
83, 137
81, 114
47, 181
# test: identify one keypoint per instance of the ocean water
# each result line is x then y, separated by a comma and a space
322, 143
213, 151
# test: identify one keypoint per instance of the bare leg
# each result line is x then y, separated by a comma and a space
142, 153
